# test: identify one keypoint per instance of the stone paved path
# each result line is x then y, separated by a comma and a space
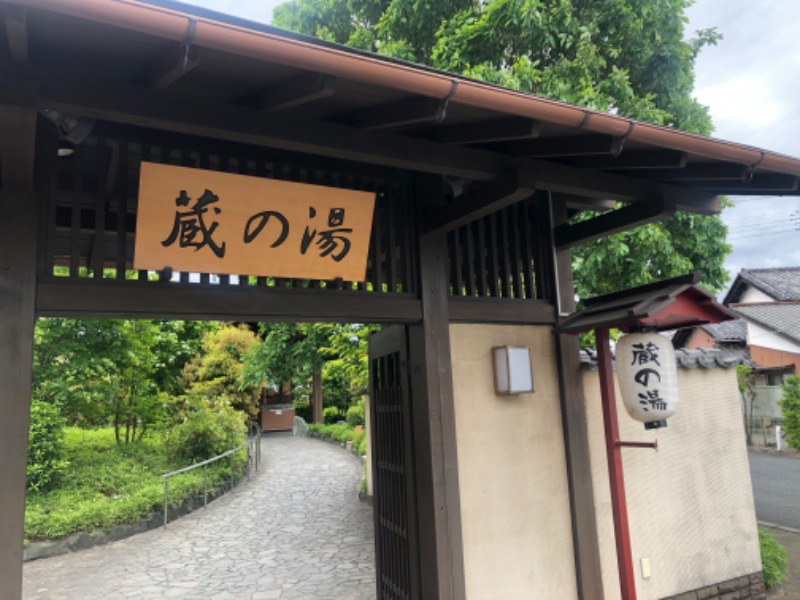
295, 531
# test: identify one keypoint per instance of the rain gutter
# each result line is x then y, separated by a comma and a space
372, 70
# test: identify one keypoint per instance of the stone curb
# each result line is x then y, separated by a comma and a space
83, 540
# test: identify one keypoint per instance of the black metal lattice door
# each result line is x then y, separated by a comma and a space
394, 499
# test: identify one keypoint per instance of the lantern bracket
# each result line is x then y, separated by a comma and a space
653, 445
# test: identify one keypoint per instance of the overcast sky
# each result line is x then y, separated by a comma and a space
750, 81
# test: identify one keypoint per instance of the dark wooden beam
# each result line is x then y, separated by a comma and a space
501, 310
62, 297
134, 106
497, 130
172, 65
479, 201
585, 535
19, 226
655, 159
569, 235
698, 172
298, 91
574, 202
439, 503
17, 32
578, 145
397, 114
761, 184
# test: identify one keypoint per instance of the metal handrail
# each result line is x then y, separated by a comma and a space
253, 446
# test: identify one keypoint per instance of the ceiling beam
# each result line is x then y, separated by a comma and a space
760, 184
496, 130
398, 114
172, 65
577, 145
622, 219
298, 91
699, 172
654, 159
574, 202
16, 22
479, 201
83, 96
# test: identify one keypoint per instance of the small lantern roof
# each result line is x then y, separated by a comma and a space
670, 304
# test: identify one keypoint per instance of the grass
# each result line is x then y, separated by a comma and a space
106, 484
774, 559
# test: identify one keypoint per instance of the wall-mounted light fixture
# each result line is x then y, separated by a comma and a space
513, 373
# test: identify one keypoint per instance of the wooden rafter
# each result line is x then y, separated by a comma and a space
698, 172
298, 91
134, 106
398, 114
568, 235
655, 159
496, 130
483, 199
587, 145
172, 65
16, 23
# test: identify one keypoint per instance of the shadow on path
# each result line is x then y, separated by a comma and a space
295, 531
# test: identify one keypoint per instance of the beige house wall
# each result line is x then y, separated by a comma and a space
512, 472
690, 504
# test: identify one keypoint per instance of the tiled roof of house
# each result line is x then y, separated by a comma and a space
727, 331
688, 359
781, 283
782, 318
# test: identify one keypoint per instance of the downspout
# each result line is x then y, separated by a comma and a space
171, 24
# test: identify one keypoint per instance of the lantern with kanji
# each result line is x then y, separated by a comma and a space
647, 377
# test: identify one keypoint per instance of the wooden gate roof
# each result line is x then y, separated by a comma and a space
179, 68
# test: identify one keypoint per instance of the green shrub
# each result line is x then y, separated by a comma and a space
774, 559
355, 414
790, 405
331, 415
341, 433
207, 432
45, 445
105, 484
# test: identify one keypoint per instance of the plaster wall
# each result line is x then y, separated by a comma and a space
752, 294
764, 338
699, 339
690, 504
515, 505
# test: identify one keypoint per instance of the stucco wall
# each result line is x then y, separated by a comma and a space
512, 471
690, 504
752, 294
764, 338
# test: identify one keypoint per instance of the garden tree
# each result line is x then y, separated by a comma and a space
790, 407
176, 344
333, 356
289, 353
746, 378
99, 372
214, 377
623, 56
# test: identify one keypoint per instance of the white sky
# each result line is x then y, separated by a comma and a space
750, 81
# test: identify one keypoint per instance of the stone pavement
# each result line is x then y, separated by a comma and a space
296, 531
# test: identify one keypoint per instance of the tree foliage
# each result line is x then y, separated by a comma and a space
103, 372
790, 406
214, 377
622, 56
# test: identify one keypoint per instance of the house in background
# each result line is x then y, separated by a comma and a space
768, 300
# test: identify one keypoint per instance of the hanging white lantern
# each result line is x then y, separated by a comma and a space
648, 378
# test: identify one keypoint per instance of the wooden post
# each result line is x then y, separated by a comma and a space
18, 244
433, 414
558, 283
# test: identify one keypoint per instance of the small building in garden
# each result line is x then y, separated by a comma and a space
144, 141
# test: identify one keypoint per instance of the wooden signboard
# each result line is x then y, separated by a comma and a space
199, 221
